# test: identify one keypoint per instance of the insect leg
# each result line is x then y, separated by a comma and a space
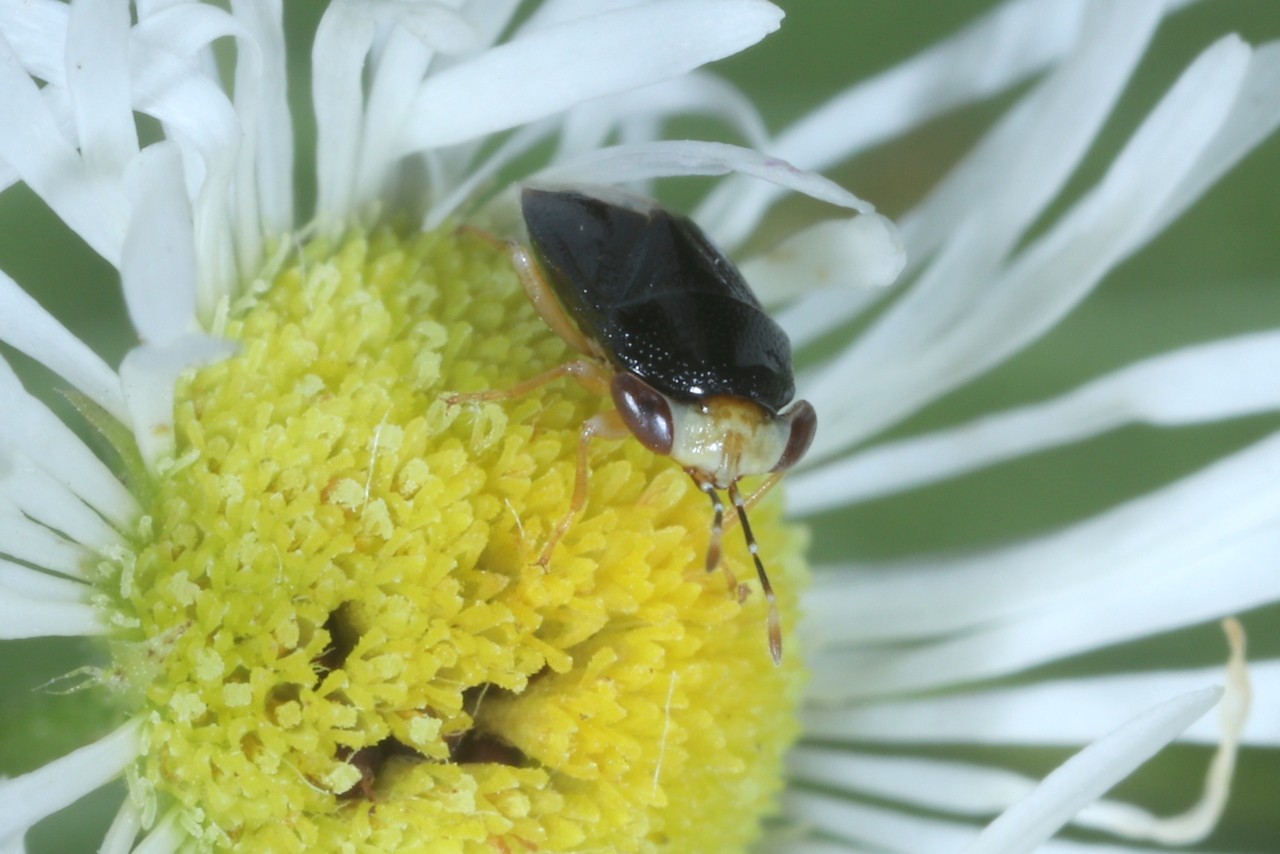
544, 299
775, 623
591, 375
756, 496
607, 425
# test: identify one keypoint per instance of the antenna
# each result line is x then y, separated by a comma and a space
775, 623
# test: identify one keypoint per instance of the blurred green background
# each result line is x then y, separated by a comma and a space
1216, 272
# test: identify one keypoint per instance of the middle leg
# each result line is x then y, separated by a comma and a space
606, 425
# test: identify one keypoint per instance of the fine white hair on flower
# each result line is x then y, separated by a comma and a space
438, 109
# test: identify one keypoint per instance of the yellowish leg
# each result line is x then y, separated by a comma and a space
591, 373
609, 425
545, 302
606, 425
593, 376
756, 496
537, 290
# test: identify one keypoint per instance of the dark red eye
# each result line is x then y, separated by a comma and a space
645, 411
804, 423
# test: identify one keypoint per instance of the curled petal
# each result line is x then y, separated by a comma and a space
862, 253
1087, 775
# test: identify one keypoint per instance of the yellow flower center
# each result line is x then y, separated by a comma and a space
352, 645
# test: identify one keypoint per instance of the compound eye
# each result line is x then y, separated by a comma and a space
645, 411
803, 423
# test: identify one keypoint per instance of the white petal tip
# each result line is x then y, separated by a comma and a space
148, 374
858, 253
874, 251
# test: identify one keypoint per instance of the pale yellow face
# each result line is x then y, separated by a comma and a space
726, 438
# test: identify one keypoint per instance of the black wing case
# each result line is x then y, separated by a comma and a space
658, 297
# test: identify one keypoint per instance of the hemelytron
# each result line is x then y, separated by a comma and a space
667, 327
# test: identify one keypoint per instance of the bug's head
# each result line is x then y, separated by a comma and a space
721, 439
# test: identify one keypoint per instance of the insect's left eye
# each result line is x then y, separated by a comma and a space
645, 411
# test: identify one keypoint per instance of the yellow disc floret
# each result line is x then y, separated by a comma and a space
353, 646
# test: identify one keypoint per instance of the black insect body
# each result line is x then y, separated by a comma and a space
670, 330
658, 298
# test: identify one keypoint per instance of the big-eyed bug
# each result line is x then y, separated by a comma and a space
669, 329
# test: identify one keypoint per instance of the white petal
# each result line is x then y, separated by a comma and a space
1052, 129
343, 39
26, 617
804, 319
167, 83
998, 50
28, 328
165, 838
97, 61
123, 831
515, 145
621, 164
170, 84
959, 788
158, 264
861, 394
445, 168
27, 798
395, 43
91, 203
985, 203
553, 68
558, 12
149, 375
1065, 712
28, 426
400, 66
439, 28
878, 828
49, 502
490, 19
37, 32
785, 843
858, 254
1090, 773
1215, 517
25, 540
273, 136
41, 586
1196, 823
242, 213
935, 784
1254, 116
589, 126
1173, 592
1205, 382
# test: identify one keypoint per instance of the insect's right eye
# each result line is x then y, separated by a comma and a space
645, 411
802, 423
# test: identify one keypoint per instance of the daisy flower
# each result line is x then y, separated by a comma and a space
310, 586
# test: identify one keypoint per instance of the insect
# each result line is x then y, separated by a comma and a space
667, 327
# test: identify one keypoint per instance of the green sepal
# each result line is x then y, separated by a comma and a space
138, 479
